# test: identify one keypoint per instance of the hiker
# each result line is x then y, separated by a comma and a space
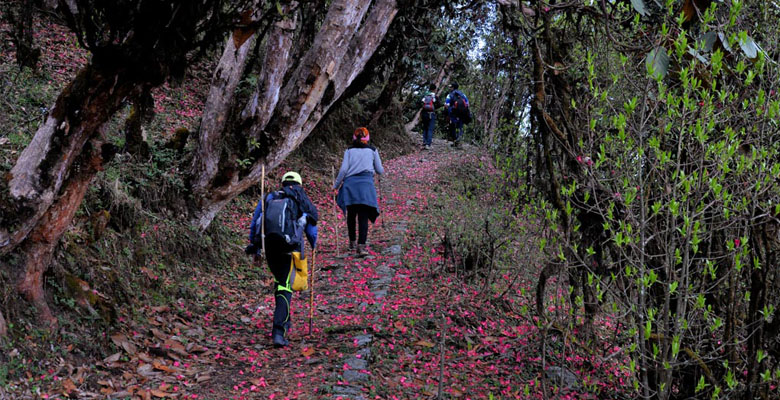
458, 112
289, 213
429, 116
356, 191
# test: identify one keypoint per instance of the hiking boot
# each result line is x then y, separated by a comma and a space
362, 250
352, 245
279, 340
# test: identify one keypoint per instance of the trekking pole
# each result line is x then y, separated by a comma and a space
311, 287
262, 210
379, 178
336, 228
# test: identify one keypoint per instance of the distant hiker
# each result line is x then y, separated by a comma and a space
458, 112
286, 215
357, 194
429, 102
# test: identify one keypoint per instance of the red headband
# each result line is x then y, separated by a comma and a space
362, 134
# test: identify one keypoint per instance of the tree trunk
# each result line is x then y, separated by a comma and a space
287, 111
20, 15
3, 326
206, 163
217, 108
43, 166
39, 247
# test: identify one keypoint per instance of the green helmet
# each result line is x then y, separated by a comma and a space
292, 177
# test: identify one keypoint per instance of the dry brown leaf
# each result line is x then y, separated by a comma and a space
112, 358
123, 342
68, 387
146, 370
160, 308
159, 393
158, 334
163, 367
145, 358
308, 351
424, 343
196, 348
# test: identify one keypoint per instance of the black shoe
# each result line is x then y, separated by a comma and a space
279, 340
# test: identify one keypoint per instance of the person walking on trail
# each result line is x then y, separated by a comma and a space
429, 102
457, 105
284, 217
356, 192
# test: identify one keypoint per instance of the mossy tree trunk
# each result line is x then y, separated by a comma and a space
48, 181
3, 326
288, 102
46, 186
38, 249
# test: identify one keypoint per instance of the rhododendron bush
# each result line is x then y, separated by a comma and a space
653, 151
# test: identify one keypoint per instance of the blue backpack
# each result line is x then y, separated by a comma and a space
280, 217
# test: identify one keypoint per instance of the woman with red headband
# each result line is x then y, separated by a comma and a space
355, 183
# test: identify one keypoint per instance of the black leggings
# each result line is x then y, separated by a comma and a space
361, 213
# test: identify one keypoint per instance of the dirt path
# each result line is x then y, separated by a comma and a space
218, 346
393, 325
351, 307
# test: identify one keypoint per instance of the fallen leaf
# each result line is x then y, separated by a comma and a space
424, 343
158, 334
112, 358
163, 367
146, 370
68, 387
308, 351
122, 341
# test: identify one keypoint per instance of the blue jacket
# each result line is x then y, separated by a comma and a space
306, 209
448, 103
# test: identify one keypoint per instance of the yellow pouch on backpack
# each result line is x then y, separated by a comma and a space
301, 269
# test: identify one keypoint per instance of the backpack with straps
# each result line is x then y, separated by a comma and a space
280, 218
460, 108
459, 105
428, 102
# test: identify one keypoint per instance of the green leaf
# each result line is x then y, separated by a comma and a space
657, 62
639, 6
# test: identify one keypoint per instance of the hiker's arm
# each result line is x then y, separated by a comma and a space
342, 171
378, 163
255, 220
309, 209
311, 235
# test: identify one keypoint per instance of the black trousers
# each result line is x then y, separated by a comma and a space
359, 212
279, 264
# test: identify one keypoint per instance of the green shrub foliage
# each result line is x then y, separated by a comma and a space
654, 151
